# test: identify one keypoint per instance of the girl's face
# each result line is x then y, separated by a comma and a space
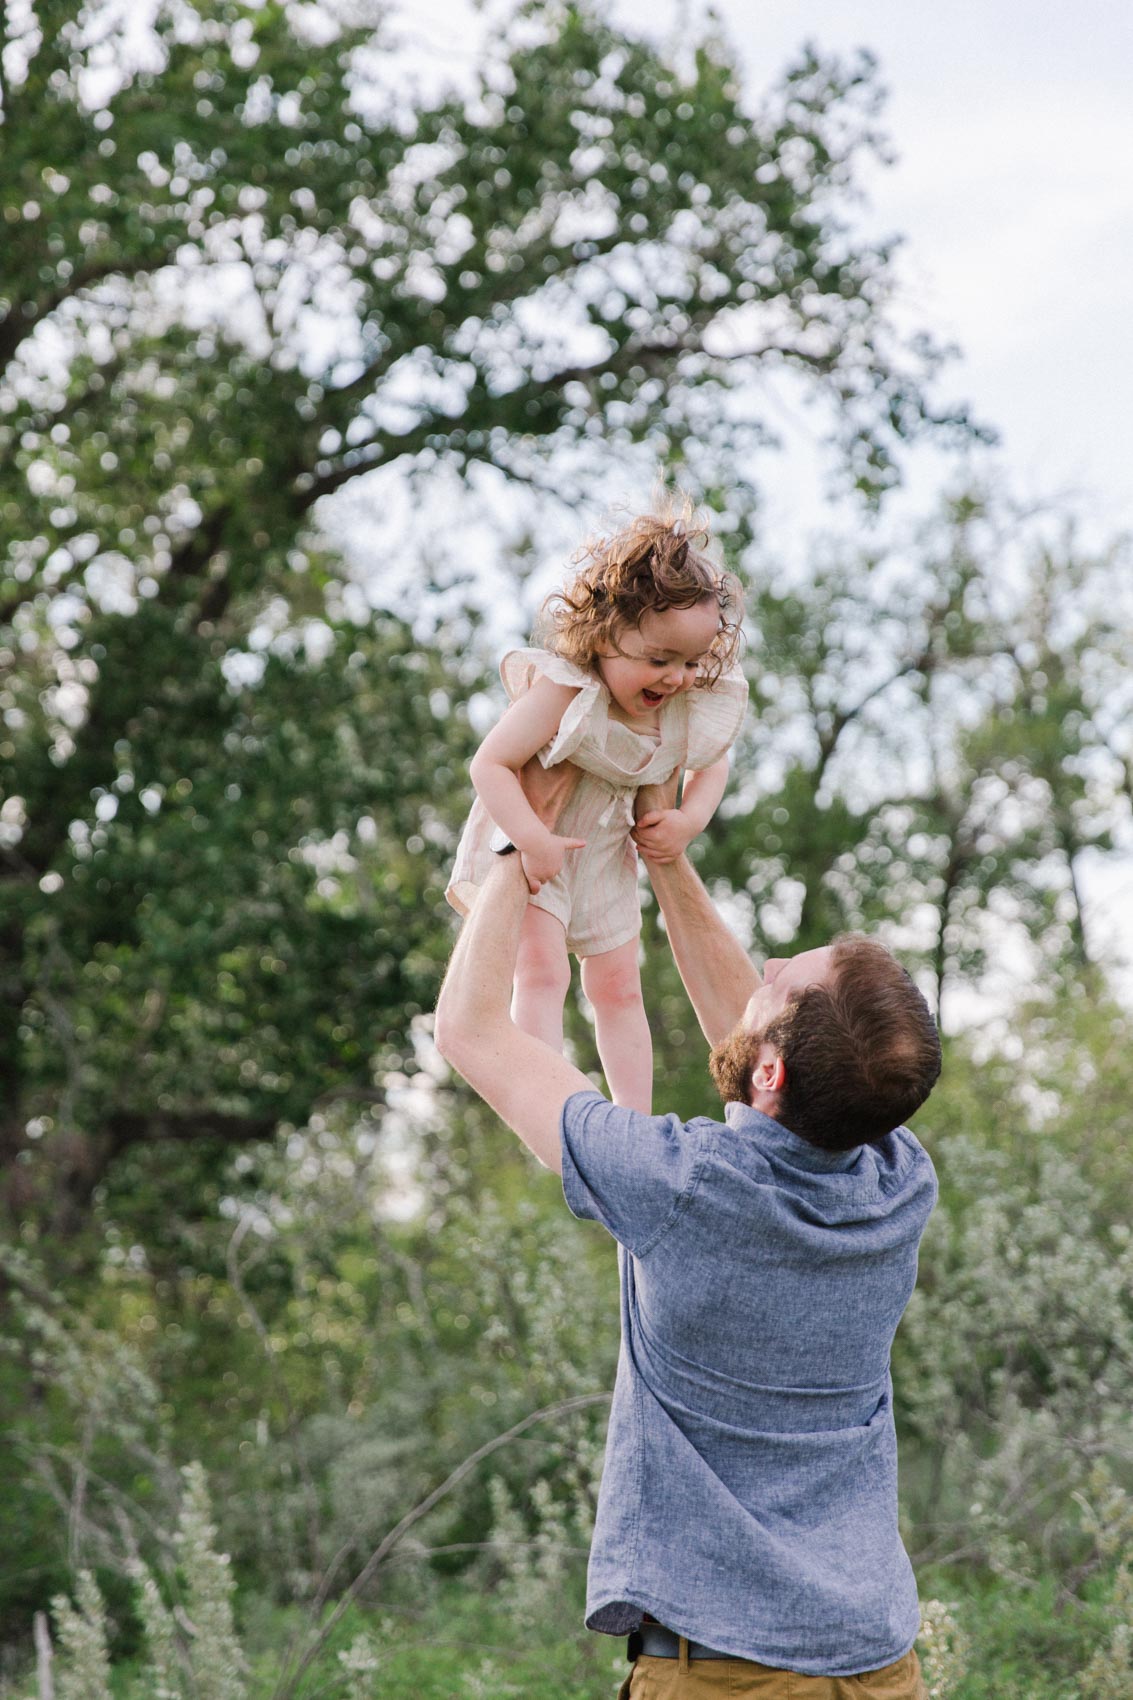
660, 658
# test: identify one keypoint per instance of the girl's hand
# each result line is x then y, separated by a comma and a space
545, 861
663, 834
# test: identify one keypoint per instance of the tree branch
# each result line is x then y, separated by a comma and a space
827, 742
133, 1127
18, 326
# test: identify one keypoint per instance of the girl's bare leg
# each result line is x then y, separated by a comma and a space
542, 977
612, 982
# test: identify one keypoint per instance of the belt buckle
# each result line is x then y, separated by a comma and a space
633, 1645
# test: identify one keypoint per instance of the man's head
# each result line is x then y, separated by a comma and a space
837, 1044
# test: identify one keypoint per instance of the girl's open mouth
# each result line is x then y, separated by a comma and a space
653, 697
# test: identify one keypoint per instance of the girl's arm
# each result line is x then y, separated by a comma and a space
663, 834
527, 725
702, 793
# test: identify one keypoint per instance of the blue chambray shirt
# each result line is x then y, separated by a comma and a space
749, 1495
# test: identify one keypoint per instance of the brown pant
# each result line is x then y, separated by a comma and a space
744, 1679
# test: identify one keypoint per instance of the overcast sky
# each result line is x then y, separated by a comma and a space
1013, 123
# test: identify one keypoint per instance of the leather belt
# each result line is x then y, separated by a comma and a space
657, 1642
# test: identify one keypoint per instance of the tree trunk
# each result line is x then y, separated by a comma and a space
1070, 848
940, 954
13, 992
45, 1686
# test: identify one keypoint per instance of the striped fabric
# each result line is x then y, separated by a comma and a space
596, 896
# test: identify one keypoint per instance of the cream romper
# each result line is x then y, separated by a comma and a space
596, 897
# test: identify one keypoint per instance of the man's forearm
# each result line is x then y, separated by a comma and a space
718, 974
476, 994
524, 1080
477, 986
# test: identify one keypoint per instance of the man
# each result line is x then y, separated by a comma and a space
747, 1520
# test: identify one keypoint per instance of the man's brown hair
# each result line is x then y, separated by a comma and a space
861, 1053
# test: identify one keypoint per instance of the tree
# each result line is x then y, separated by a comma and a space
940, 743
237, 277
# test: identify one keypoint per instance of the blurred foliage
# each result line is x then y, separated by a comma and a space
333, 1361
247, 918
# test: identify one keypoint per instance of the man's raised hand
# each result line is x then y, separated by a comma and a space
652, 807
663, 834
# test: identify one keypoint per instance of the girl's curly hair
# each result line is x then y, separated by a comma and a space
654, 563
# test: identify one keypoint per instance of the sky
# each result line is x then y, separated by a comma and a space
1013, 189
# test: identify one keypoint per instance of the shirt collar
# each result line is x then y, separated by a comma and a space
742, 1118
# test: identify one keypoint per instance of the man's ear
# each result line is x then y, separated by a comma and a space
769, 1075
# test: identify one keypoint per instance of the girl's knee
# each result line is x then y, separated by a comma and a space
612, 985
542, 967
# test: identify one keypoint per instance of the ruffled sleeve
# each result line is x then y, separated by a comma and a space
715, 717
585, 714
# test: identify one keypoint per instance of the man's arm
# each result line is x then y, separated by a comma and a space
718, 974
525, 1081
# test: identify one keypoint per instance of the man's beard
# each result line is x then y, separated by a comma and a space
732, 1062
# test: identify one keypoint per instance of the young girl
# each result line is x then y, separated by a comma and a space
638, 679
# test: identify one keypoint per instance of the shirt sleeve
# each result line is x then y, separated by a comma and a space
715, 717
633, 1173
583, 716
